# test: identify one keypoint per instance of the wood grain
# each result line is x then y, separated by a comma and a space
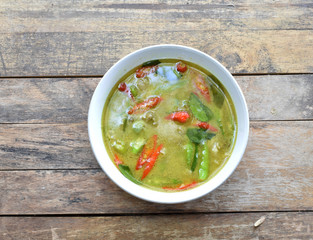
66, 146
39, 146
93, 53
97, 16
47, 169
66, 100
193, 226
50, 100
285, 97
275, 174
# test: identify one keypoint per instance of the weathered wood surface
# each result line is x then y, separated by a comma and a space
46, 164
52, 100
193, 226
40, 146
93, 53
86, 38
66, 146
95, 16
66, 100
275, 174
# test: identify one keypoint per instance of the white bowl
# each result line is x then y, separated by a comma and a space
135, 59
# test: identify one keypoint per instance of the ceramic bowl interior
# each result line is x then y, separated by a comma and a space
135, 59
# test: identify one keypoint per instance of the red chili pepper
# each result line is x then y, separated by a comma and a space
201, 85
151, 161
124, 88
141, 160
145, 105
206, 126
181, 67
178, 116
117, 160
181, 187
144, 71
146, 154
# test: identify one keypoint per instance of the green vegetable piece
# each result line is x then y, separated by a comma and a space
195, 158
189, 153
197, 135
124, 124
218, 96
151, 63
125, 170
205, 163
134, 90
119, 146
178, 75
220, 125
137, 145
138, 126
198, 109
176, 181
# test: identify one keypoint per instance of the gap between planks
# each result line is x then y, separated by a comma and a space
151, 214
60, 124
100, 76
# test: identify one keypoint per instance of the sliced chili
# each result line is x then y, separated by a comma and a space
151, 161
122, 87
206, 126
146, 153
181, 117
201, 85
144, 71
145, 105
117, 160
181, 67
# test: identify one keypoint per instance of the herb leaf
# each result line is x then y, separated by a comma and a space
218, 96
125, 170
151, 63
197, 135
198, 109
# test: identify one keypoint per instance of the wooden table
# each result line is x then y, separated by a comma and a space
52, 56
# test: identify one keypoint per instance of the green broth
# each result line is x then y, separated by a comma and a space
127, 134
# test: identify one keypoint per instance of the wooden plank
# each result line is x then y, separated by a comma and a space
193, 226
285, 97
96, 16
93, 53
50, 100
275, 174
66, 100
38, 146
63, 146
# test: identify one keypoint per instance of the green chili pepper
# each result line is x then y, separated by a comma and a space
205, 163
124, 124
195, 158
189, 153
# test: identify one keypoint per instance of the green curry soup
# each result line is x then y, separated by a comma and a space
169, 125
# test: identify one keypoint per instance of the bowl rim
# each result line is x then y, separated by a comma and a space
150, 194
